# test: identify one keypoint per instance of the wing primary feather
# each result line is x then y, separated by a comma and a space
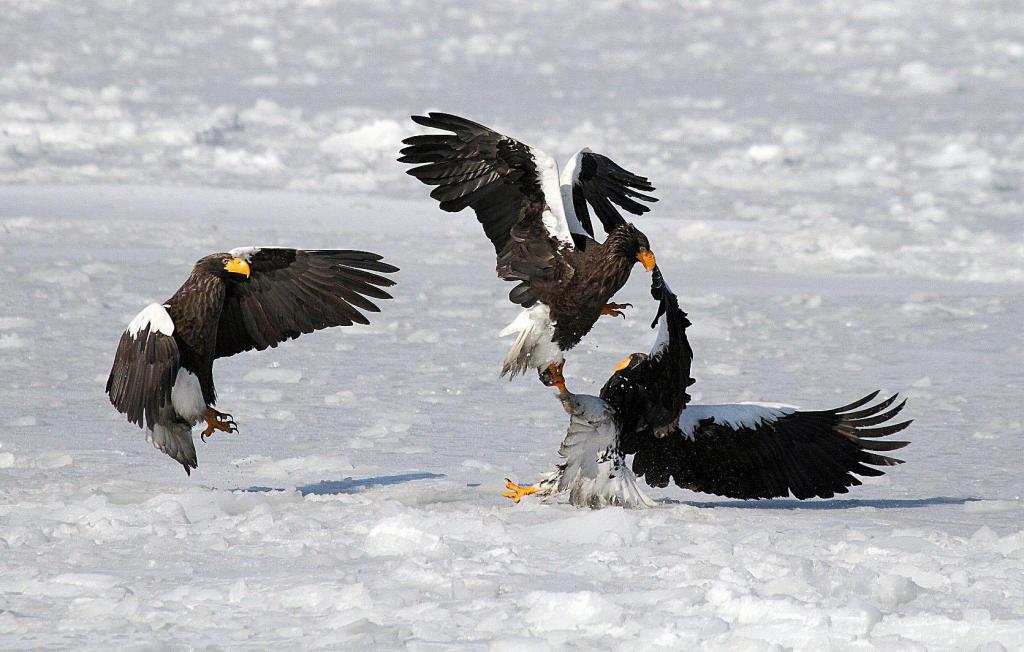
883, 431
291, 292
881, 444
506, 184
856, 404
878, 418
870, 411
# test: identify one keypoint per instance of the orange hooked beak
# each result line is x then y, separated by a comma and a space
237, 266
646, 258
624, 363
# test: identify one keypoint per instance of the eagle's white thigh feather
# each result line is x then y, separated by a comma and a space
534, 345
187, 397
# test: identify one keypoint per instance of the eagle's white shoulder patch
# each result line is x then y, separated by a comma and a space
567, 179
246, 252
736, 416
554, 215
156, 317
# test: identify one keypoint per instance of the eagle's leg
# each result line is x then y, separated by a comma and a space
615, 309
516, 492
552, 376
218, 421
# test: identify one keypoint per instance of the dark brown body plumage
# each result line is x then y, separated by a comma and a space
740, 451
544, 241
251, 298
804, 453
590, 278
195, 309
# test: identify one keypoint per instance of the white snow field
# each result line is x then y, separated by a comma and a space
842, 211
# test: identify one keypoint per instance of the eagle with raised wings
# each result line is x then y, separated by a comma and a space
741, 450
541, 229
244, 299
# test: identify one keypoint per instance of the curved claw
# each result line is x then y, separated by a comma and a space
218, 421
228, 421
552, 376
615, 309
516, 492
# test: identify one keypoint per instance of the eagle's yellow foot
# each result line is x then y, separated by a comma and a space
615, 309
552, 376
516, 492
218, 421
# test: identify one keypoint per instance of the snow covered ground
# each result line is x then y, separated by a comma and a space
842, 211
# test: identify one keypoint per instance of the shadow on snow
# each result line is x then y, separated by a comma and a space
852, 503
352, 485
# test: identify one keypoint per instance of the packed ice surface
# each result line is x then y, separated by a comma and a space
841, 211
360, 504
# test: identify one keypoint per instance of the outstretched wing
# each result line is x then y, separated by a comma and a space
512, 188
291, 292
759, 451
145, 367
649, 392
597, 180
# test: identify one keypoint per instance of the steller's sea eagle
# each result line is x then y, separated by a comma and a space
744, 450
248, 298
540, 227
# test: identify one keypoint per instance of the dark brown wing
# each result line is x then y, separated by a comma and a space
726, 450
601, 182
650, 392
291, 292
500, 179
145, 367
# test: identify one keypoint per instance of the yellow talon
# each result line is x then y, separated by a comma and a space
217, 421
516, 492
553, 377
624, 363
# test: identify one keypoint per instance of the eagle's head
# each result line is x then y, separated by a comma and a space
224, 266
630, 244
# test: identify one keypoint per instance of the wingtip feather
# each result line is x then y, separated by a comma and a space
856, 404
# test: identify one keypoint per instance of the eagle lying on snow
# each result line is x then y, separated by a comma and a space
540, 227
745, 450
248, 298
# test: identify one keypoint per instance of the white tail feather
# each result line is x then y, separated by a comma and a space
534, 345
174, 439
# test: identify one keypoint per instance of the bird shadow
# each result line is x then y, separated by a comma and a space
351, 485
852, 503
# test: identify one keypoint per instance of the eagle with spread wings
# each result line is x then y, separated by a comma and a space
740, 450
247, 298
541, 229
